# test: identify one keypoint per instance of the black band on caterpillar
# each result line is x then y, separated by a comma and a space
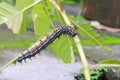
31, 52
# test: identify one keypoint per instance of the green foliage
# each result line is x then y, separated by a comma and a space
21, 4
25, 22
88, 32
16, 44
15, 23
105, 39
108, 40
110, 61
78, 18
18, 23
9, 12
16, 20
111, 39
96, 74
40, 19
12, 2
63, 49
26, 19
6, 12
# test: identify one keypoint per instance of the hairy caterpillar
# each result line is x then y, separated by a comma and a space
42, 44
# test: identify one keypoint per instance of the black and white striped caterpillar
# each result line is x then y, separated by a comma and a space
42, 44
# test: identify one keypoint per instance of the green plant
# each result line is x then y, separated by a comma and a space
9, 1
96, 74
18, 18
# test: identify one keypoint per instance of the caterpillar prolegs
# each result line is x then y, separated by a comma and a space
42, 44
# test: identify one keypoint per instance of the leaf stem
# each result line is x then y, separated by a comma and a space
77, 40
36, 2
59, 16
6, 65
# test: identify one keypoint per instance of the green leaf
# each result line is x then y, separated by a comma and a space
110, 61
7, 9
14, 62
75, 49
25, 22
26, 19
63, 49
15, 23
40, 19
12, 2
19, 23
20, 4
20, 20
86, 31
1, 1
89, 33
7, 12
1, 19
79, 18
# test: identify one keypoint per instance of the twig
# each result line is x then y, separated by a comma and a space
77, 40
6, 65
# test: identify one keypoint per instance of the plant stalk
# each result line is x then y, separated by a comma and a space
77, 41
6, 65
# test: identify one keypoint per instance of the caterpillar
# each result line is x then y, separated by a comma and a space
42, 44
